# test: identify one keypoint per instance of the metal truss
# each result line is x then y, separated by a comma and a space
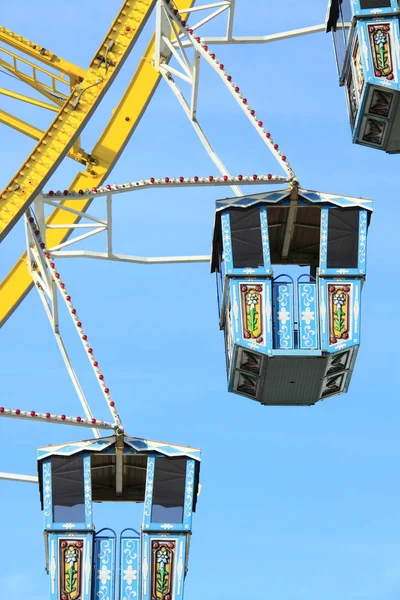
174, 35
228, 6
94, 226
101, 160
50, 286
75, 110
73, 95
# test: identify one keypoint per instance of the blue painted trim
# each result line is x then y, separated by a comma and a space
307, 299
53, 560
304, 353
227, 257
323, 248
265, 241
104, 575
189, 494
147, 506
140, 446
374, 12
51, 525
178, 571
360, 271
130, 565
87, 482
276, 197
47, 494
283, 313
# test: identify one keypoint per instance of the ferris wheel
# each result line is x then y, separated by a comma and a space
290, 264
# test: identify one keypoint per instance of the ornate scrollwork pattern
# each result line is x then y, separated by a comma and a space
47, 489
283, 316
129, 568
265, 237
105, 568
363, 238
308, 320
324, 237
189, 488
226, 238
149, 488
88, 487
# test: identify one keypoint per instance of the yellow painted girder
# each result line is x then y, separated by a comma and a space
41, 54
73, 116
28, 100
48, 91
76, 153
110, 145
20, 125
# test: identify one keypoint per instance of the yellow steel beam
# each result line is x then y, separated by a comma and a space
107, 150
20, 125
28, 100
55, 96
76, 153
73, 116
41, 54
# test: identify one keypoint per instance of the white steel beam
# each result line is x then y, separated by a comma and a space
45, 283
54, 198
31, 415
180, 29
19, 478
141, 260
35, 240
260, 39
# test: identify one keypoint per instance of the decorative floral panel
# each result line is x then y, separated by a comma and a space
283, 315
162, 569
358, 70
381, 46
104, 567
129, 568
339, 312
308, 316
252, 312
374, 131
71, 569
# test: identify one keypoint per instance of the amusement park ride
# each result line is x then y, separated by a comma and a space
289, 340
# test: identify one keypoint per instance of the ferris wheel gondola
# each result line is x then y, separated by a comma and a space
366, 40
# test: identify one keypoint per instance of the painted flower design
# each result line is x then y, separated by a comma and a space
307, 315
252, 299
162, 556
380, 39
283, 315
130, 575
339, 298
104, 575
71, 556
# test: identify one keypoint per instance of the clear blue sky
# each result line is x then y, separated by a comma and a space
297, 503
